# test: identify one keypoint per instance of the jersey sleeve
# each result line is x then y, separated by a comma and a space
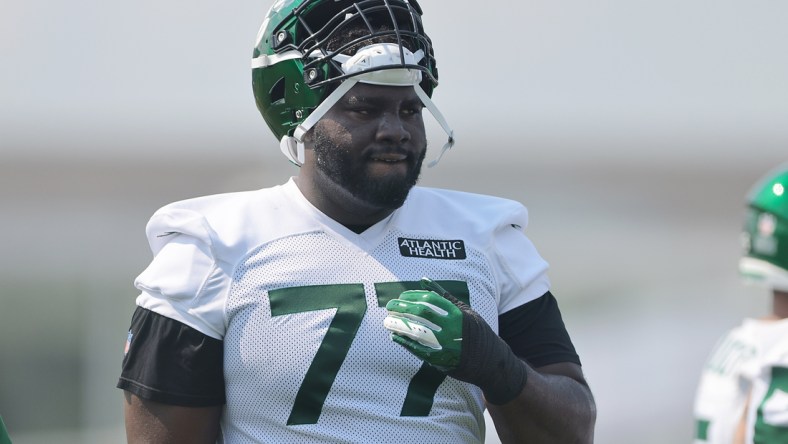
535, 331
174, 352
523, 271
722, 390
185, 281
171, 363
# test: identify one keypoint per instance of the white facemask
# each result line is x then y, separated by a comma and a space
366, 59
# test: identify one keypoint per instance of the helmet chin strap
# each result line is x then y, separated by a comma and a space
440, 119
372, 56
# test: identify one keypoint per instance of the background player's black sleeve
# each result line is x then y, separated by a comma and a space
172, 363
535, 332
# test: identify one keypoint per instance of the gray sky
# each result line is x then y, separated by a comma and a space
632, 80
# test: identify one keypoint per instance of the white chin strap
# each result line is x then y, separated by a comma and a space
372, 56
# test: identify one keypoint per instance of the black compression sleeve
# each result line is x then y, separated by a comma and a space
172, 363
536, 332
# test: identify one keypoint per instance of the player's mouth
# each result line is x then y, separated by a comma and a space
387, 163
389, 157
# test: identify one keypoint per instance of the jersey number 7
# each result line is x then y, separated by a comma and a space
350, 303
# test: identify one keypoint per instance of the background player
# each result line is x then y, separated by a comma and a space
261, 317
4, 438
743, 391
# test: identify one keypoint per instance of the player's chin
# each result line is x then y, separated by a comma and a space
390, 190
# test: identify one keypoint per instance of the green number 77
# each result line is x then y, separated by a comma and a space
350, 302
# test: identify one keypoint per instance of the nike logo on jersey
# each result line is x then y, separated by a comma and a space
432, 249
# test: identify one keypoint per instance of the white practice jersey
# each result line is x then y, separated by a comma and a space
306, 356
767, 415
748, 363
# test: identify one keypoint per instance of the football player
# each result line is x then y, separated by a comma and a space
348, 304
743, 392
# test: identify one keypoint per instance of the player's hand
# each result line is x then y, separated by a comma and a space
446, 333
428, 325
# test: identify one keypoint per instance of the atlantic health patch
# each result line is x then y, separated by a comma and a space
432, 248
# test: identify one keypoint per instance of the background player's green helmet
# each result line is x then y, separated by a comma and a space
765, 235
306, 49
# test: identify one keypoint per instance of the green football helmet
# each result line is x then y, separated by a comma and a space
765, 258
309, 53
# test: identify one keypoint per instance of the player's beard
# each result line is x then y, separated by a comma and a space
338, 165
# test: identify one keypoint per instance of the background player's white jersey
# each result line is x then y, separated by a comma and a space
767, 415
304, 347
741, 365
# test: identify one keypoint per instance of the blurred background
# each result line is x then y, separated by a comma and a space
631, 129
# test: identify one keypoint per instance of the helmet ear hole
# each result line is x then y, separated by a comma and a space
277, 92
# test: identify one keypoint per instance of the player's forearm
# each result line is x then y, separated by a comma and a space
550, 409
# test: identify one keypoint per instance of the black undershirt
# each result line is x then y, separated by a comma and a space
535, 331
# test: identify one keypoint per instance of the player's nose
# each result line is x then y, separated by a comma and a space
392, 129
